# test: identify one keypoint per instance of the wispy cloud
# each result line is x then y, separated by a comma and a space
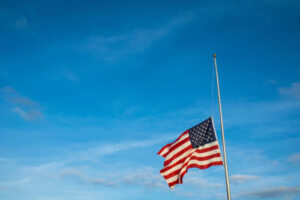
293, 91
29, 115
44, 167
271, 82
3, 73
20, 181
143, 176
82, 167
240, 178
107, 149
71, 172
96, 153
194, 180
69, 75
185, 194
113, 47
264, 116
276, 192
26, 108
294, 158
21, 23
14, 97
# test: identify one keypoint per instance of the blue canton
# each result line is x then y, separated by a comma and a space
202, 133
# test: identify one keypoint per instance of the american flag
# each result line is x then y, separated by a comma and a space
197, 147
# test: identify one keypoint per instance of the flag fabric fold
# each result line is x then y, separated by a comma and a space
197, 147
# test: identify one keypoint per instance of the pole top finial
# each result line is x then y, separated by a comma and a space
214, 55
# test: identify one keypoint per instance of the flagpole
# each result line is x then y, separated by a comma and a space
222, 130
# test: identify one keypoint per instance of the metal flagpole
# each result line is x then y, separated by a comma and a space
222, 130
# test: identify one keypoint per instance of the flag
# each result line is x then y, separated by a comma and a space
197, 147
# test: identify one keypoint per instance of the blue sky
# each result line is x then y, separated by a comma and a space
90, 91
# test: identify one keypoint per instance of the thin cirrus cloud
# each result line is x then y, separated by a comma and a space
271, 82
114, 148
29, 115
21, 23
294, 158
94, 154
143, 176
74, 168
111, 48
14, 97
69, 75
293, 91
240, 178
26, 108
270, 193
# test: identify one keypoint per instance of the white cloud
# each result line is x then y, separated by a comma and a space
293, 91
270, 193
295, 158
197, 181
239, 178
21, 181
68, 74
107, 149
28, 115
26, 108
94, 154
112, 47
185, 194
3, 73
14, 97
5, 160
21, 23
71, 172
271, 82
48, 166
143, 176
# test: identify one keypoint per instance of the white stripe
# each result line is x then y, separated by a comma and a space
180, 157
164, 151
189, 160
167, 149
208, 145
176, 177
198, 155
173, 178
178, 149
200, 162
176, 167
205, 162
200, 148
182, 138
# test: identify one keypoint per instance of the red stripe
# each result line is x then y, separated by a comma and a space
177, 145
187, 163
206, 157
183, 159
185, 132
179, 181
159, 153
176, 163
184, 162
167, 162
172, 174
173, 183
192, 158
207, 149
200, 167
168, 145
